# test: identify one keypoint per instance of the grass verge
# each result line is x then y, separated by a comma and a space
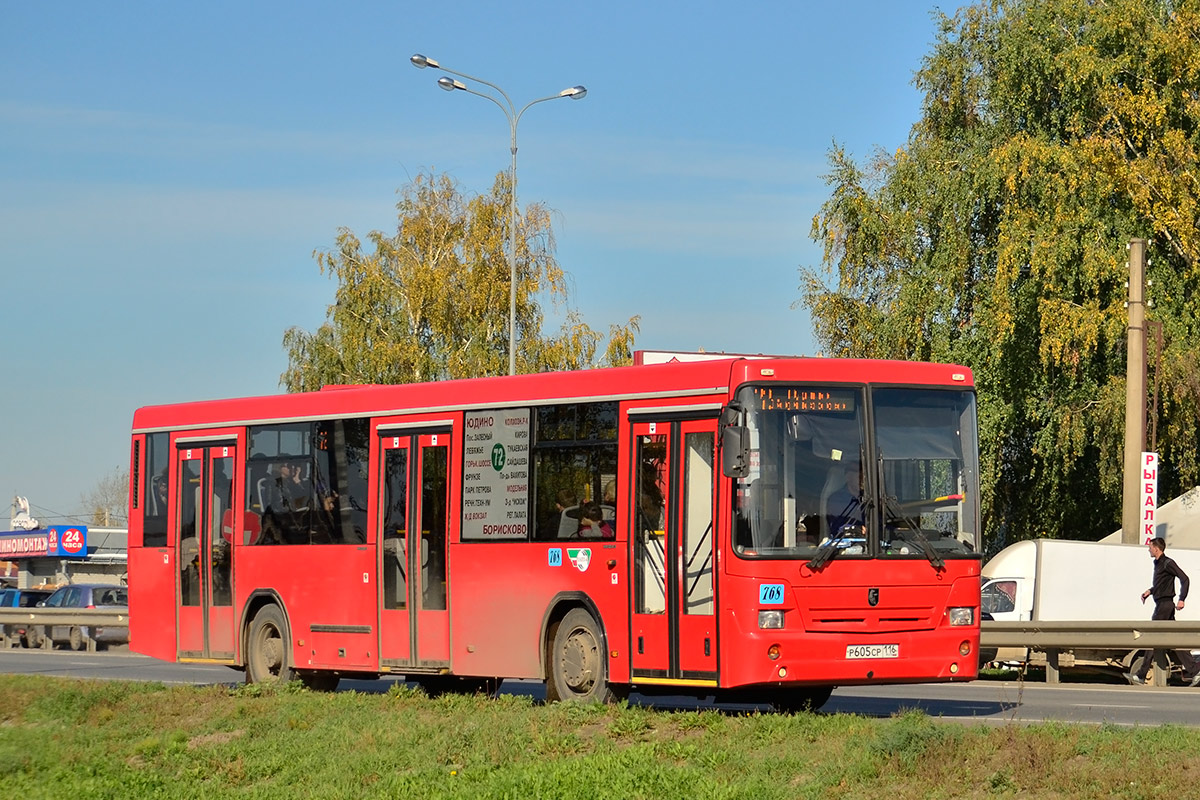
83, 739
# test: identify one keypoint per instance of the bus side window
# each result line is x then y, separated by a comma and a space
154, 509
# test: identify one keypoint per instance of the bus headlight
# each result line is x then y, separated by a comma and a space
770, 619
961, 615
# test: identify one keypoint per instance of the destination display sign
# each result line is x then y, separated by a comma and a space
496, 474
805, 398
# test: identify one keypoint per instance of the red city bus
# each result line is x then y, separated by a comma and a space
740, 528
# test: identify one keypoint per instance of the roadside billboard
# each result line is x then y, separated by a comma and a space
58, 541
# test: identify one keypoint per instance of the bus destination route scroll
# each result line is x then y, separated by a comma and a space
496, 474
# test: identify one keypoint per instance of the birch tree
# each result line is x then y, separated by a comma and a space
431, 300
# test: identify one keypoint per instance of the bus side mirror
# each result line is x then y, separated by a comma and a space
735, 444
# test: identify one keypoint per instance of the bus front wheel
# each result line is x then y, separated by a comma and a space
578, 667
267, 657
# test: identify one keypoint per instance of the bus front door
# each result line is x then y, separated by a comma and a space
206, 510
674, 630
414, 528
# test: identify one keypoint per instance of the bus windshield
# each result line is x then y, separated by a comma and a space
821, 482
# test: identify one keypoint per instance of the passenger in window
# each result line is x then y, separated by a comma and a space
154, 530
286, 516
160, 494
291, 490
325, 526
566, 503
592, 524
566, 499
608, 505
651, 504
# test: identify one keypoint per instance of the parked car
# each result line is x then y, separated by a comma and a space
86, 595
21, 598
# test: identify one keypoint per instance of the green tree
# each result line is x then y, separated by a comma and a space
431, 302
1052, 132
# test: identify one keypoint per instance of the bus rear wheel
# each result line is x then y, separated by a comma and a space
578, 668
267, 657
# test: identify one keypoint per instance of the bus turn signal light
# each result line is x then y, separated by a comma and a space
773, 652
964, 649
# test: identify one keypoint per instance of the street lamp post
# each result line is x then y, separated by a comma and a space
514, 116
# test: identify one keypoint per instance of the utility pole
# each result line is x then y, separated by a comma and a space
1135, 395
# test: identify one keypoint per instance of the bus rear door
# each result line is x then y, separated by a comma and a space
206, 503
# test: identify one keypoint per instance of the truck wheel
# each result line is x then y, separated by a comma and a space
578, 667
267, 656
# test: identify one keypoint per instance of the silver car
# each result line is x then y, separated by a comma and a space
86, 595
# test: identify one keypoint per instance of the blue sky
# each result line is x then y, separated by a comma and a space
167, 170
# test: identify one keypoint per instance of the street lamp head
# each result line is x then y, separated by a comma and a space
421, 62
449, 84
575, 92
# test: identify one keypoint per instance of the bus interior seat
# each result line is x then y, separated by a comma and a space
157, 481
264, 492
568, 526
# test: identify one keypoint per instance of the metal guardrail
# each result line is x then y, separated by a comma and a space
48, 617
1052, 638
1096, 635
63, 616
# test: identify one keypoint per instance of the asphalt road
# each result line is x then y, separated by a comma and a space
981, 702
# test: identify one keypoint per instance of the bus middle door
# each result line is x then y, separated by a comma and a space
674, 633
414, 521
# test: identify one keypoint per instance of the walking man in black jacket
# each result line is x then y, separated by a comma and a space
1162, 589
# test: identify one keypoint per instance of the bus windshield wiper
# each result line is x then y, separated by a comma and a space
827, 550
897, 513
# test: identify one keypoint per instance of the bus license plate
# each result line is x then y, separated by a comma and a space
872, 651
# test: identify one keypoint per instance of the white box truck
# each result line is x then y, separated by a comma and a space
1044, 580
